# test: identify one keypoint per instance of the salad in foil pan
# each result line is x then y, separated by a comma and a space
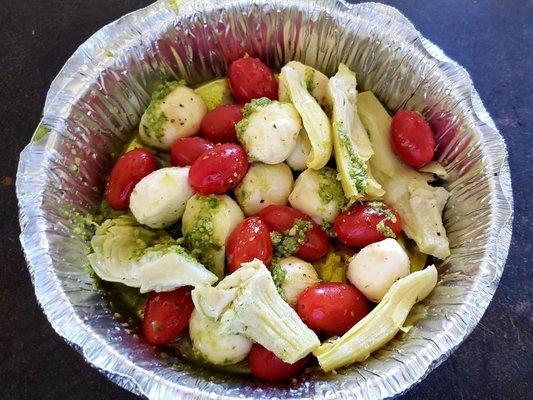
272, 200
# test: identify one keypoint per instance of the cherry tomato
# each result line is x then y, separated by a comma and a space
360, 225
128, 170
250, 79
249, 240
267, 366
218, 170
331, 307
185, 151
412, 139
166, 315
282, 218
218, 125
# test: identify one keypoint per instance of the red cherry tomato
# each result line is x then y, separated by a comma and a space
412, 139
128, 170
331, 307
167, 314
218, 170
267, 366
250, 79
249, 240
185, 151
282, 218
359, 226
218, 125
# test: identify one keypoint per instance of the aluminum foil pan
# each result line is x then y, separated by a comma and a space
97, 99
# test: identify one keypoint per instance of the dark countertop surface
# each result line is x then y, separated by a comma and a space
492, 39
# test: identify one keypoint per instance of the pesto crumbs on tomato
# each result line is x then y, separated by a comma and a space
289, 242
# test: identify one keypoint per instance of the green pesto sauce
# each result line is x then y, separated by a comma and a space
310, 80
384, 229
287, 243
255, 105
126, 302
174, 5
170, 246
198, 239
328, 228
378, 208
240, 128
278, 275
247, 111
155, 117
40, 132
330, 188
356, 167
84, 226
74, 167
105, 211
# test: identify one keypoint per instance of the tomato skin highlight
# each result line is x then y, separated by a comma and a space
218, 170
249, 78
357, 226
166, 315
128, 170
267, 366
249, 240
185, 151
331, 307
281, 218
218, 125
412, 139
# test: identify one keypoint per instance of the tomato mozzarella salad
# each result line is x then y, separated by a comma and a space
274, 218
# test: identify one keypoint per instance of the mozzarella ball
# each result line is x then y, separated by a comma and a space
215, 346
170, 117
206, 225
318, 194
297, 160
264, 185
376, 267
271, 132
298, 275
159, 199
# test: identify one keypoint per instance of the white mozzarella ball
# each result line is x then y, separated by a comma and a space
263, 185
318, 194
271, 132
159, 199
226, 219
376, 267
297, 276
215, 346
297, 160
174, 116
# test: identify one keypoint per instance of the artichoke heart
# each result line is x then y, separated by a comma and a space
353, 149
126, 252
381, 325
419, 204
314, 119
247, 303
